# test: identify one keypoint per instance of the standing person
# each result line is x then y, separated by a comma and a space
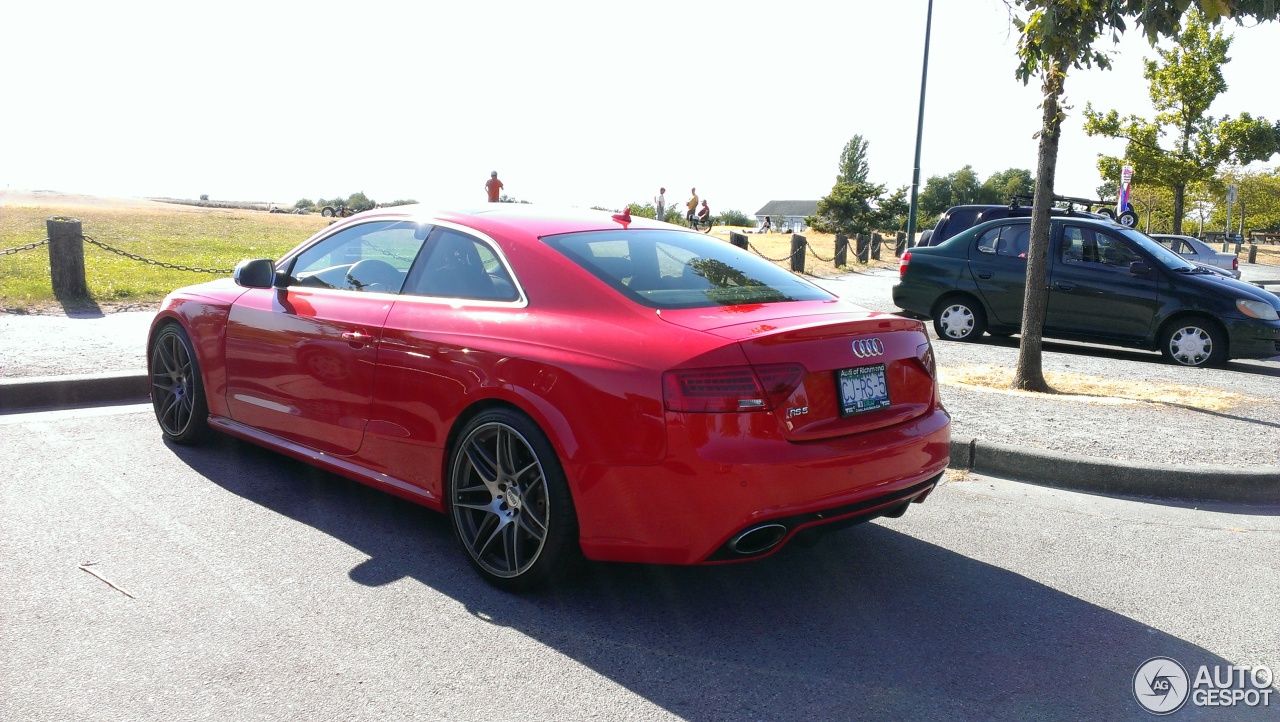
691, 206
493, 186
660, 203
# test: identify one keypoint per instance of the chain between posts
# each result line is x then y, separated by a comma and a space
815, 254
787, 257
162, 264
20, 249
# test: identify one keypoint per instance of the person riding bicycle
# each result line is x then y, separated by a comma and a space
704, 214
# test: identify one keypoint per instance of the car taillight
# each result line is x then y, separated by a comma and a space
924, 354
1235, 263
902, 263
730, 389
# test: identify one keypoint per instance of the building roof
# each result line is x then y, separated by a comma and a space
789, 208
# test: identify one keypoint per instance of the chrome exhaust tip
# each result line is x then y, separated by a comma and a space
758, 539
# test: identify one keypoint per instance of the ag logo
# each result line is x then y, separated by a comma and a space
1160, 685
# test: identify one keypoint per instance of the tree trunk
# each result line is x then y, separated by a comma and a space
1029, 375
1179, 207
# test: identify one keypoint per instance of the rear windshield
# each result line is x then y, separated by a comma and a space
678, 269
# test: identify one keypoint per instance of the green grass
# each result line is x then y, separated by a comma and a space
199, 237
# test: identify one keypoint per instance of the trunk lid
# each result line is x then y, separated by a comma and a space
849, 354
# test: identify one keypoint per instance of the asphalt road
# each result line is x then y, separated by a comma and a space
261, 589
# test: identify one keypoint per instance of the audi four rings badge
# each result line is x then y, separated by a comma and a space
868, 347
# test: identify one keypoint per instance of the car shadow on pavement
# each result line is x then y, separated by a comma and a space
871, 623
1123, 354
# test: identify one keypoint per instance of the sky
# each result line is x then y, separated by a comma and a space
572, 103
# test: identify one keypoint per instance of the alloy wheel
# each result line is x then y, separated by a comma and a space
500, 500
172, 391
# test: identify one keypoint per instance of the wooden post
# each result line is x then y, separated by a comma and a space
900, 244
66, 257
1253, 253
798, 244
842, 250
738, 239
863, 247
876, 241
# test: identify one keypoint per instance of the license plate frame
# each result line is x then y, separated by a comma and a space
858, 396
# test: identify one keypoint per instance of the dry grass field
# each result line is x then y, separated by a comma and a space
210, 238
218, 238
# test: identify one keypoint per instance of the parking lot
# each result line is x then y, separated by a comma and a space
262, 589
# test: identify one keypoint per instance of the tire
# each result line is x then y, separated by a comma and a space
1194, 342
177, 391
327, 212
519, 540
1107, 212
959, 318
1128, 219
706, 227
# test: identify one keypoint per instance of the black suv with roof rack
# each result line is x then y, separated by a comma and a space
958, 219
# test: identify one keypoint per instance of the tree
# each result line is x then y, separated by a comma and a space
304, 203
853, 162
735, 218
853, 204
962, 188
1055, 36
1183, 85
1258, 201
1006, 184
895, 209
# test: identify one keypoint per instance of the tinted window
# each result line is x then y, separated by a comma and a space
1011, 241
671, 269
372, 257
1086, 245
458, 265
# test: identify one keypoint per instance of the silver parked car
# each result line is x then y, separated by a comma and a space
1200, 252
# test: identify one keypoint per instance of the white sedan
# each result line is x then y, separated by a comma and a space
1198, 251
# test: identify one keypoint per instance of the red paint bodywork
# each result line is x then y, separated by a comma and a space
381, 404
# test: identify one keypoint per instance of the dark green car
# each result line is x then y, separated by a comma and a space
1108, 284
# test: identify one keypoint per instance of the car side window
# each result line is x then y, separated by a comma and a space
458, 265
370, 257
988, 240
1087, 246
1014, 241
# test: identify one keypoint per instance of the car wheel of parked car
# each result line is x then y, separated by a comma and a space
958, 318
177, 393
1194, 342
510, 502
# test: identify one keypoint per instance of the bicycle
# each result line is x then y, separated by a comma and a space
699, 224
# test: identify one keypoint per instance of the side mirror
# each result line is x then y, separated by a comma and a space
1139, 268
256, 273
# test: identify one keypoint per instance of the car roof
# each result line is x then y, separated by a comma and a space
521, 218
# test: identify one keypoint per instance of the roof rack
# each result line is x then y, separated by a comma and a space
1071, 201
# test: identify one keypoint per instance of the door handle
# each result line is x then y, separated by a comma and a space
984, 274
1064, 286
357, 338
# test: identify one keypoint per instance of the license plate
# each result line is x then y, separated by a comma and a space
862, 389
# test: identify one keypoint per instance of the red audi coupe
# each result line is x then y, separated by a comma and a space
563, 384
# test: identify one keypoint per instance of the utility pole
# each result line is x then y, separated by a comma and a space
915, 173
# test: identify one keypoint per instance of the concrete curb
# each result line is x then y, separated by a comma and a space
1037, 466
45, 392
1113, 476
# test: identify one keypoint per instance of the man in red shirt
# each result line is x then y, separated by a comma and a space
494, 187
